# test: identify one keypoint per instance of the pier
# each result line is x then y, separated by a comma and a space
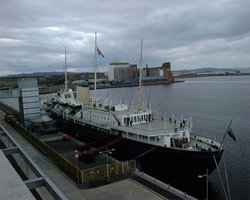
135, 185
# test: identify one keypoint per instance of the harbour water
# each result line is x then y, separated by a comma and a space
212, 102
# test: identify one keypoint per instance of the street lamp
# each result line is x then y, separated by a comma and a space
202, 176
107, 152
76, 156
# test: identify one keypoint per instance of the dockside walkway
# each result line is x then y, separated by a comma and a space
137, 187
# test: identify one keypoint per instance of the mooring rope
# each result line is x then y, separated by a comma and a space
229, 196
145, 153
220, 178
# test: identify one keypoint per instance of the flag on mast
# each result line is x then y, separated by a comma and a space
230, 133
99, 52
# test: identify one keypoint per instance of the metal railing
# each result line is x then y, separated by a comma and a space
42, 179
82, 176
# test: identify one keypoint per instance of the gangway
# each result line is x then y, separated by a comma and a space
7, 94
80, 148
8, 109
55, 130
88, 156
104, 146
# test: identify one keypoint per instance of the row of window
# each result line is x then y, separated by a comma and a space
138, 118
100, 117
96, 116
144, 137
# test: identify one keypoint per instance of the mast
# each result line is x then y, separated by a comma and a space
139, 102
95, 66
65, 73
226, 132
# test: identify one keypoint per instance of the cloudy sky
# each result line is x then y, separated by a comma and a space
190, 34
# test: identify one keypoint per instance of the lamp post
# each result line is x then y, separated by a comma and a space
202, 176
107, 152
76, 156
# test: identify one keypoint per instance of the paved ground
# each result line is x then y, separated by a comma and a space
125, 189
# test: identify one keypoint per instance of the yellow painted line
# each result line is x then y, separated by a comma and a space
131, 192
148, 190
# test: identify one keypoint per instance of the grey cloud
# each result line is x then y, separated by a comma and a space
172, 30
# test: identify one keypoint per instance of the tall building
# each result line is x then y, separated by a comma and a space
120, 71
29, 102
163, 71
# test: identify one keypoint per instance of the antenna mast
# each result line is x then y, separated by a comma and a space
65, 73
95, 66
139, 104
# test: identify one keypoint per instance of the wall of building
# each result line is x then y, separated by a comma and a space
167, 70
121, 71
29, 102
114, 65
125, 73
163, 71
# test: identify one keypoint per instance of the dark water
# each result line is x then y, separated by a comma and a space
212, 102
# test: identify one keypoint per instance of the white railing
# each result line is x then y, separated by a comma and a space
205, 140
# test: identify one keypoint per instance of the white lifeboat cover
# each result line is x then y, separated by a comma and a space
121, 107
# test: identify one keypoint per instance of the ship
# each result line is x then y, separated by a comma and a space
160, 145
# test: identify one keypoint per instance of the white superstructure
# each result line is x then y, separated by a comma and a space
124, 120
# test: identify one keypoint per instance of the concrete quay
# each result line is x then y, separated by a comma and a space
130, 188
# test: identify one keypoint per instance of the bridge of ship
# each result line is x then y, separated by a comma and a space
154, 128
156, 132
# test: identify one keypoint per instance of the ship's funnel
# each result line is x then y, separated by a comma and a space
82, 93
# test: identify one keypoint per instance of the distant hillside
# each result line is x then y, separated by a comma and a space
36, 74
210, 70
40, 74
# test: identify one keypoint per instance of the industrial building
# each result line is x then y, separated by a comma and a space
121, 71
161, 72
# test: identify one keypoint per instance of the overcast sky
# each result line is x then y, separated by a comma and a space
188, 33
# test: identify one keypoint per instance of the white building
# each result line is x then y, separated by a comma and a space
116, 64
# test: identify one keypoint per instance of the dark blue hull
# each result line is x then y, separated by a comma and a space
160, 162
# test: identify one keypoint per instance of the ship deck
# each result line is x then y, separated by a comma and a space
155, 127
151, 132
